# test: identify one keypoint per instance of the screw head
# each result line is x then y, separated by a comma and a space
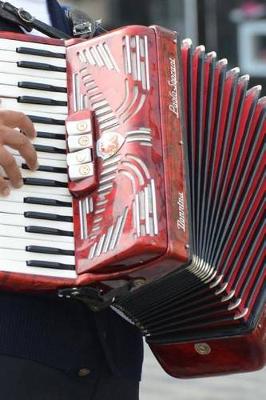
202, 348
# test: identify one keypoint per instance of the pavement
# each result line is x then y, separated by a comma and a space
157, 385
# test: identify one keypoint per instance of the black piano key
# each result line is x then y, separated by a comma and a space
41, 66
39, 52
49, 250
46, 120
49, 264
47, 216
43, 230
49, 149
48, 168
43, 182
49, 135
47, 202
41, 100
42, 86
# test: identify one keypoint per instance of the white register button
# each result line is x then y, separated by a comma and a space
78, 172
79, 142
79, 157
78, 127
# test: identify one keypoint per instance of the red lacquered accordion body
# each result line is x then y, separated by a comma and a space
153, 201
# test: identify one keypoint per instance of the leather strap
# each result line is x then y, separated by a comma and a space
24, 19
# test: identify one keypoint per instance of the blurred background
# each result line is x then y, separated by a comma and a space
235, 29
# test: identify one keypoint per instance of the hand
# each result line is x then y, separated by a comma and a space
18, 140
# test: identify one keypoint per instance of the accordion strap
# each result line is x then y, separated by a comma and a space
94, 298
24, 19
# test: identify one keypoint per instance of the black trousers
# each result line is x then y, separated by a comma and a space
27, 380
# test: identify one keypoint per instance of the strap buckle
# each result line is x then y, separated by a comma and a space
23, 18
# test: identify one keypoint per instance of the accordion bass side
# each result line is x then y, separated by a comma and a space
153, 205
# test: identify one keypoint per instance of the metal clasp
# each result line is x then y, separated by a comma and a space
25, 16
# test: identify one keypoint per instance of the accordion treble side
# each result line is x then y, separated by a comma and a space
164, 163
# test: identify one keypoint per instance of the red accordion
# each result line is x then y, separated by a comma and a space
149, 193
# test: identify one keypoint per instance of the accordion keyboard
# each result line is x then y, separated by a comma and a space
36, 222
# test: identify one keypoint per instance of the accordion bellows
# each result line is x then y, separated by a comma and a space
222, 291
168, 220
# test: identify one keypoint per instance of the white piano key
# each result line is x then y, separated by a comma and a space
30, 189
60, 144
41, 155
21, 244
20, 220
20, 208
18, 196
21, 268
11, 79
46, 141
11, 45
11, 68
77, 172
50, 126
19, 232
13, 56
58, 129
39, 175
79, 142
48, 114
20, 255
45, 175
51, 156
13, 104
79, 157
42, 161
15, 92
27, 173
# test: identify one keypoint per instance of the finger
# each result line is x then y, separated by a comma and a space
20, 142
4, 187
15, 119
12, 171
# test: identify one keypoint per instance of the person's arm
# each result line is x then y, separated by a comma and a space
19, 140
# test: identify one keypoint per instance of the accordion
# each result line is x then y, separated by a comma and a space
149, 194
